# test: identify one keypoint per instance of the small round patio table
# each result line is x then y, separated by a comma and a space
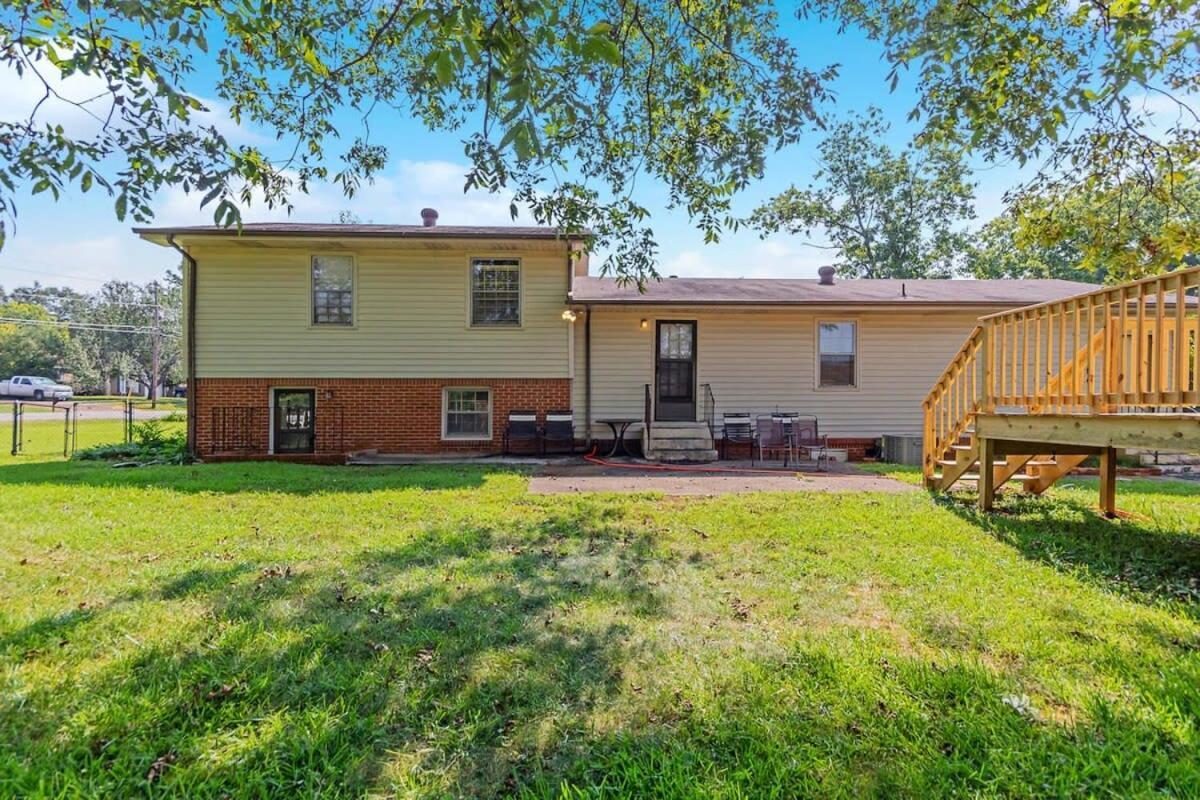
619, 426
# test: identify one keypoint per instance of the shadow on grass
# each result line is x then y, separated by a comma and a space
234, 478
478, 662
452, 661
1139, 559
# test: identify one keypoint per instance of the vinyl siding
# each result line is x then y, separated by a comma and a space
253, 315
758, 361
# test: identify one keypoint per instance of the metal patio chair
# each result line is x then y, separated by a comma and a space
737, 428
806, 436
772, 438
522, 427
559, 429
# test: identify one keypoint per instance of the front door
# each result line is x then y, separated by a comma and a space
675, 371
295, 419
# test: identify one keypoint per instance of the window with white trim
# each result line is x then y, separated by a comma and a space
467, 414
495, 292
333, 290
837, 354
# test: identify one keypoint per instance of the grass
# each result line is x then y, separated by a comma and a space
252, 630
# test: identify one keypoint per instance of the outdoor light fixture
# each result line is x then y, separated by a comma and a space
569, 315
645, 324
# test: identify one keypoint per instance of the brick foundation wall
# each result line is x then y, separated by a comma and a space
856, 448
392, 415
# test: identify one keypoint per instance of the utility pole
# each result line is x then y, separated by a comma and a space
156, 347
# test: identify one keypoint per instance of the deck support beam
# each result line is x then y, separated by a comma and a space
987, 474
1108, 481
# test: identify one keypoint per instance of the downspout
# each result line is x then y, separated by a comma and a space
587, 370
190, 334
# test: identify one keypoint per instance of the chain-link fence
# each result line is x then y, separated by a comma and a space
42, 429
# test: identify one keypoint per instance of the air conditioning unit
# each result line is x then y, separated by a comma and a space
902, 449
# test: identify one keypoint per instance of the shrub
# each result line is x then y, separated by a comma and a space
152, 443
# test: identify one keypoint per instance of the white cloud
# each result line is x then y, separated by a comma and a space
396, 197
744, 255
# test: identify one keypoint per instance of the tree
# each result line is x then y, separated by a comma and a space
1099, 95
561, 105
1115, 235
33, 347
889, 215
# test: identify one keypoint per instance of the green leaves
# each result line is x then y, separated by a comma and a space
885, 214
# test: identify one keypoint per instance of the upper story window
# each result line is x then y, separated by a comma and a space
495, 292
837, 348
333, 290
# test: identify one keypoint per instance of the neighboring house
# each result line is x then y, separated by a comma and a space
313, 341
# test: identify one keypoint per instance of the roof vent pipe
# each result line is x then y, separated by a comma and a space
826, 274
429, 217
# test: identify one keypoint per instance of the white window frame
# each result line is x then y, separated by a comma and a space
458, 437
520, 267
817, 353
312, 291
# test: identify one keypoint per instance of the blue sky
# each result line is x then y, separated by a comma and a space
77, 240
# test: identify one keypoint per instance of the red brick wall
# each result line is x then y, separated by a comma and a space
392, 415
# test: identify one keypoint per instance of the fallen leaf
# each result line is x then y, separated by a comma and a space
160, 766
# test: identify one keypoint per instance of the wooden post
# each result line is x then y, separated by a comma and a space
987, 474
1108, 481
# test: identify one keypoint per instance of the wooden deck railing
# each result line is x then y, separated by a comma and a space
952, 402
1128, 348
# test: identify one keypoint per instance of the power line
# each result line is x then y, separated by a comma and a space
22, 293
86, 326
55, 274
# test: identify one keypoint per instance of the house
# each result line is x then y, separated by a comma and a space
312, 341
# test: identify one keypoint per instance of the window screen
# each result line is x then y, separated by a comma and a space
495, 291
468, 414
837, 353
333, 290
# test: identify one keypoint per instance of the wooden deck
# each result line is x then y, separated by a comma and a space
1035, 391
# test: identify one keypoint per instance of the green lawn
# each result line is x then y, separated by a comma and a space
253, 630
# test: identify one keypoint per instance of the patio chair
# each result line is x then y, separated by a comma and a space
522, 427
737, 428
772, 438
806, 436
559, 429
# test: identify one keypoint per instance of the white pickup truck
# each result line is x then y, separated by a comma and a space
29, 387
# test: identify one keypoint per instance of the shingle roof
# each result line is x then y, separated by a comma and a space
844, 291
308, 229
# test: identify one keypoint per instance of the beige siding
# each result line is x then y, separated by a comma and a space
411, 315
757, 361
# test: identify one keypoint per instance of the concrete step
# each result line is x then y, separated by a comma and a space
681, 444
1169, 459
677, 431
698, 455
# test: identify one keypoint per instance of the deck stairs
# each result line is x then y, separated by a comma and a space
1034, 392
679, 442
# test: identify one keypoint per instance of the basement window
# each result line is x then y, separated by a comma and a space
837, 356
467, 413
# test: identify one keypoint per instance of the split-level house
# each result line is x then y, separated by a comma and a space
314, 341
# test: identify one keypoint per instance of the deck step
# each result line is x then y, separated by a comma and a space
949, 462
1020, 476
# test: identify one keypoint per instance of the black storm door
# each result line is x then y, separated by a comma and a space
295, 420
675, 371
